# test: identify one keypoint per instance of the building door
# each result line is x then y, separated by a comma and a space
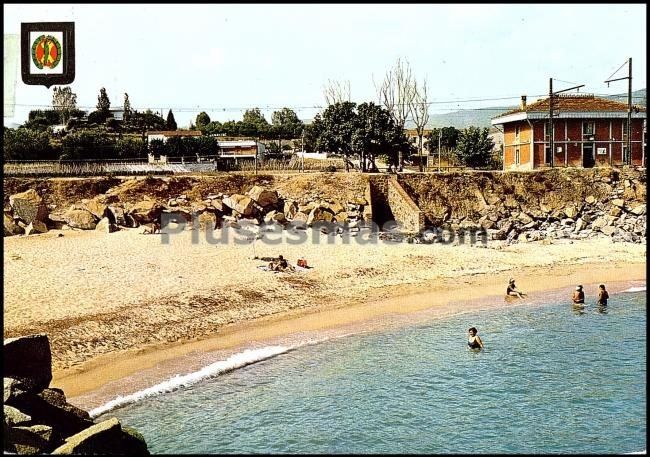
548, 157
588, 159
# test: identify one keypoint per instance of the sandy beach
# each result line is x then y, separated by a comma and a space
115, 304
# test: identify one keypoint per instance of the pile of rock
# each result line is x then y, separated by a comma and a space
617, 211
261, 205
38, 419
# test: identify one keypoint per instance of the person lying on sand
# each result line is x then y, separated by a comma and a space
513, 291
279, 264
150, 229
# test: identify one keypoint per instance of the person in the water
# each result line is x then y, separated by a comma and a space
603, 295
474, 341
578, 296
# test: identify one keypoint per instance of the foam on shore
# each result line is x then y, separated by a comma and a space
635, 289
233, 362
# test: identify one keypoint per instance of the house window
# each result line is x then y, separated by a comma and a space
548, 158
588, 128
547, 137
517, 157
517, 132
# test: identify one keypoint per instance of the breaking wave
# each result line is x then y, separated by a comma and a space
233, 362
636, 289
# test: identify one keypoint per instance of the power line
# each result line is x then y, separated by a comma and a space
312, 107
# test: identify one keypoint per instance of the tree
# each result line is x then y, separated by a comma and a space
286, 125
420, 114
26, 144
202, 120
171, 122
475, 147
64, 101
396, 92
377, 135
337, 126
336, 92
312, 134
254, 124
103, 103
127, 106
448, 138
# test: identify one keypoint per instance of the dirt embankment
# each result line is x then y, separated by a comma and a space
64, 192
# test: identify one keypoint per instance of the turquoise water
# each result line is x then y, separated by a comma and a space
551, 380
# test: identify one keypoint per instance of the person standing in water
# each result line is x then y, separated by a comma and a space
474, 341
578, 296
603, 295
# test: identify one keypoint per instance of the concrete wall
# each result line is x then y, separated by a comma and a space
403, 207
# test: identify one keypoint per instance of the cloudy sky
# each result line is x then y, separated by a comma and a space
223, 59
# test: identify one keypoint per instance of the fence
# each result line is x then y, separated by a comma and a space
36, 168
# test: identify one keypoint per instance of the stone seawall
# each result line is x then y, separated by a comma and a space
405, 210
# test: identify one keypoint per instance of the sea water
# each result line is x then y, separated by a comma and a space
551, 379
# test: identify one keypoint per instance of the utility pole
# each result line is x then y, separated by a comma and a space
257, 152
550, 115
439, 136
550, 121
627, 158
302, 147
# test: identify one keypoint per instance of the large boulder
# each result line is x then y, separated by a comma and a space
29, 206
207, 220
116, 215
319, 214
335, 207
13, 416
290, 209
275, 216
571, 211
28, 360
36, 439
107, 437
619, 202
35, 227
146, 211
638, 210
263, 197
243, 204
80, 218
56, 221
105, 226
12, 389
96, 207
11, 228
50, 407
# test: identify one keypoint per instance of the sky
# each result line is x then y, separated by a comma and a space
224, 59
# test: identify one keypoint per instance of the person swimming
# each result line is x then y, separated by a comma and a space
474, 341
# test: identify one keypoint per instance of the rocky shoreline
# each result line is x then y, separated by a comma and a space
38, 419
515, 208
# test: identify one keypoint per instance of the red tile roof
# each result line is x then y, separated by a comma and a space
575, 103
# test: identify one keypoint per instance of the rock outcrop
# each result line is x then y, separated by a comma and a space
39, 419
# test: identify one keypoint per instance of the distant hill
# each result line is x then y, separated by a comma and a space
481, 117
